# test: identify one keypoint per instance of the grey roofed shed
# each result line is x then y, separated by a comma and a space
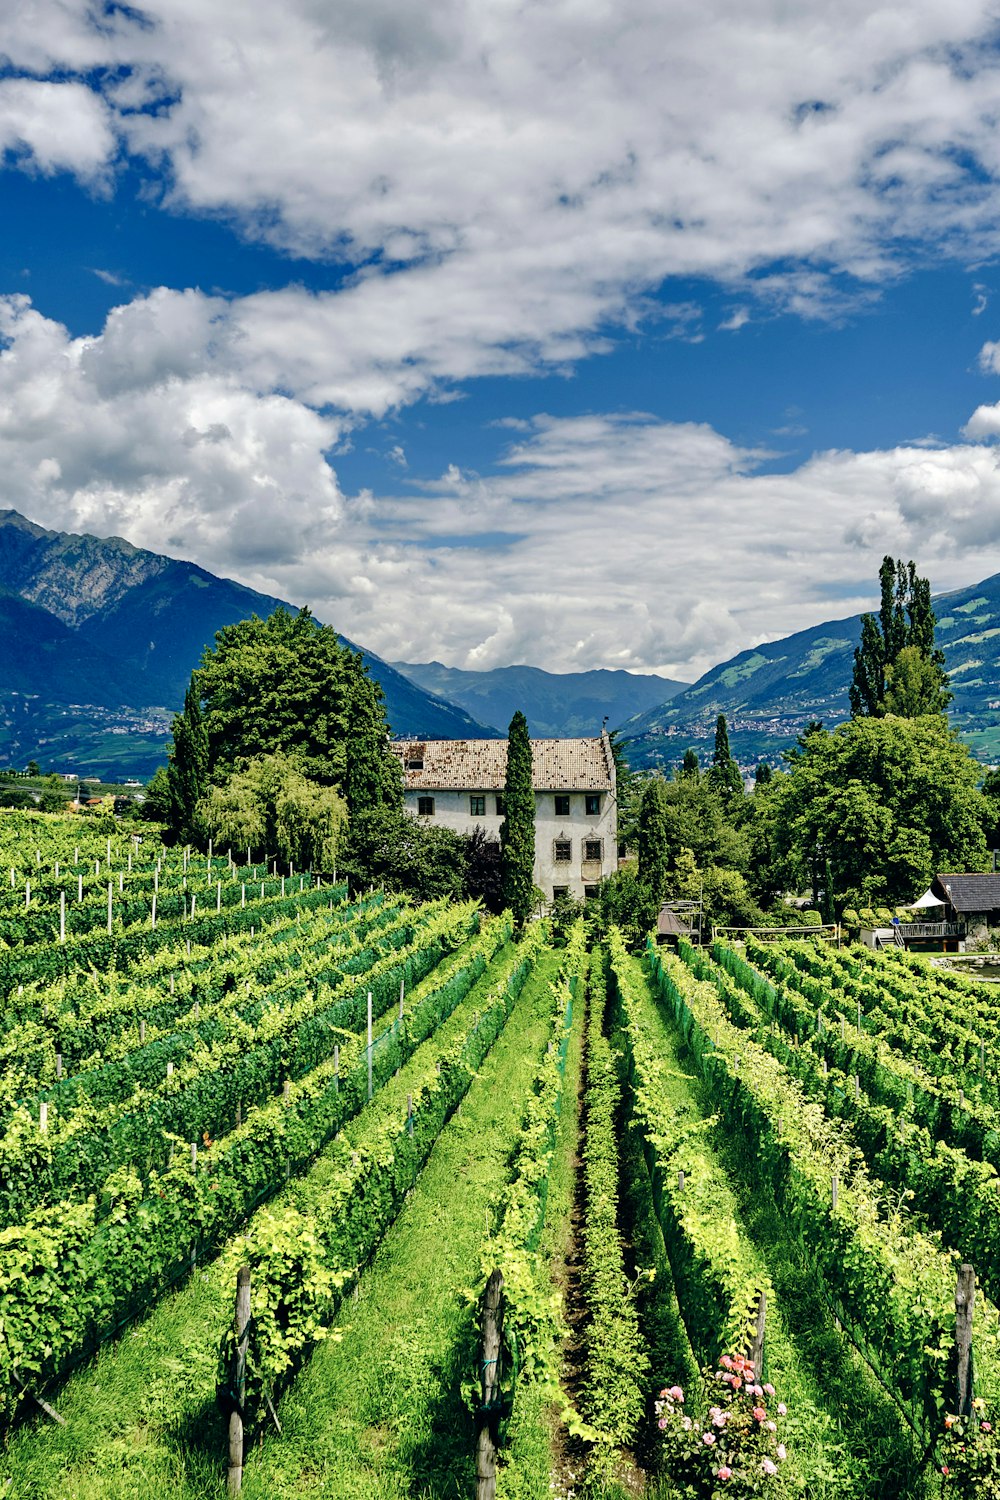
968, 893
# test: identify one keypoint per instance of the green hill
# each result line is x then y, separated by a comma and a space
771, 692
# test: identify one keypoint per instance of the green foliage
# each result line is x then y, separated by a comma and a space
517, 831
689, 764
736, 1448
617, 1362
897, 669
271, 806
968, 1454
724, 775
384, 845
187, 769
374, 775
887, 801
654, 854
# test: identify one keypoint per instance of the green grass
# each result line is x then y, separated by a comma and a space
534, 1429
378, 1414
844, 1436
141, 1418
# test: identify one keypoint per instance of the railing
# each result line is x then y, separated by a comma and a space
931, 930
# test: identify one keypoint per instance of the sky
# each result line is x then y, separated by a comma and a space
568, 332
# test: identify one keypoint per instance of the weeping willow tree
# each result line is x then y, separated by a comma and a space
271, 806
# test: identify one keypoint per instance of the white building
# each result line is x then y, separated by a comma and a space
459, 784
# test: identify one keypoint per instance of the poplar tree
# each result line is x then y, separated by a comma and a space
374, 775
897, 668
517, 831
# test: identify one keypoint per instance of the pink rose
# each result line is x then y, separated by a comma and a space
781, 1452
686, 1423
759, 1413
986, 1426
769, 1390
724, 1473
771, 1426
662, 1423
782, 1408
768, 1467
708, 1438
675, 1393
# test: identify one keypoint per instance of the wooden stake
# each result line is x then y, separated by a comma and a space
62, 916
489, 1367
238, 1382
756, 1350
965, 1301
369, 1044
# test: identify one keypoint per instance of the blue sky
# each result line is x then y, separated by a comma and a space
569, 333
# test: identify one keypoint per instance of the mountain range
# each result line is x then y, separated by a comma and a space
769, 693
556, 704
98, 640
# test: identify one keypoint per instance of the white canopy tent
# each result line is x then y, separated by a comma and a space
927, 899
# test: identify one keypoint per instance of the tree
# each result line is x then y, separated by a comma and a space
374, 775
282, 685
896, 666
187, 766
654, 853
887, 801
724, 775
483, 869
157, 802
384, 845
517, 831
762, 775
270, 806
689, 765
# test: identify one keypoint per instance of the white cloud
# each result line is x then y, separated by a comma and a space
516, 177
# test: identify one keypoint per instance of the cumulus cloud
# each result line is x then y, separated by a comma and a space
536, 169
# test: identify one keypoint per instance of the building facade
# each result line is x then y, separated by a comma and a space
459, 784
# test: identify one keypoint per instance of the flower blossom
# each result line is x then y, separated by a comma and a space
724, 1473
708, 1438
986, 1426
768, 1466
676, 1394
781, 1452
759, 1413
769, 1390
782, 1408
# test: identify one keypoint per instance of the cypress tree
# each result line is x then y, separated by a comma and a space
187, 768
517, 831
724, 775
689, 765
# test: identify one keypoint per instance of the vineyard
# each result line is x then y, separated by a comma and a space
303, 1195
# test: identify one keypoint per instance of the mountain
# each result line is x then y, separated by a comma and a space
98, 640
556, 704
770, 692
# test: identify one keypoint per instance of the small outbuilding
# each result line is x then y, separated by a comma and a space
969, 901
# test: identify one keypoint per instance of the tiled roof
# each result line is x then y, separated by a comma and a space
970, 892
481, 765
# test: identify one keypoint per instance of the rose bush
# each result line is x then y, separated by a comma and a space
735, 1448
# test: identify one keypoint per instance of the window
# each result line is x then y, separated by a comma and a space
593, 848
501, 809
562, 851
425, 807
414, 763
593, 804
477, 806
562, 804
559, 890
590, 892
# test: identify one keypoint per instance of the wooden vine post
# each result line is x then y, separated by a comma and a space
756, 1351
239, 1381
489, 1379
965, 1301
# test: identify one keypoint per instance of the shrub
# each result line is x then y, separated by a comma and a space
736, 1447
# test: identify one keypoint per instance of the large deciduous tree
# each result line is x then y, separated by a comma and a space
517, 831
887, 802
897, 668
269, 805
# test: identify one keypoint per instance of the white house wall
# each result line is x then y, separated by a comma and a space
453, 809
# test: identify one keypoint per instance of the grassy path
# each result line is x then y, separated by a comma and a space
378, 1414
141, 1417
844, 1437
